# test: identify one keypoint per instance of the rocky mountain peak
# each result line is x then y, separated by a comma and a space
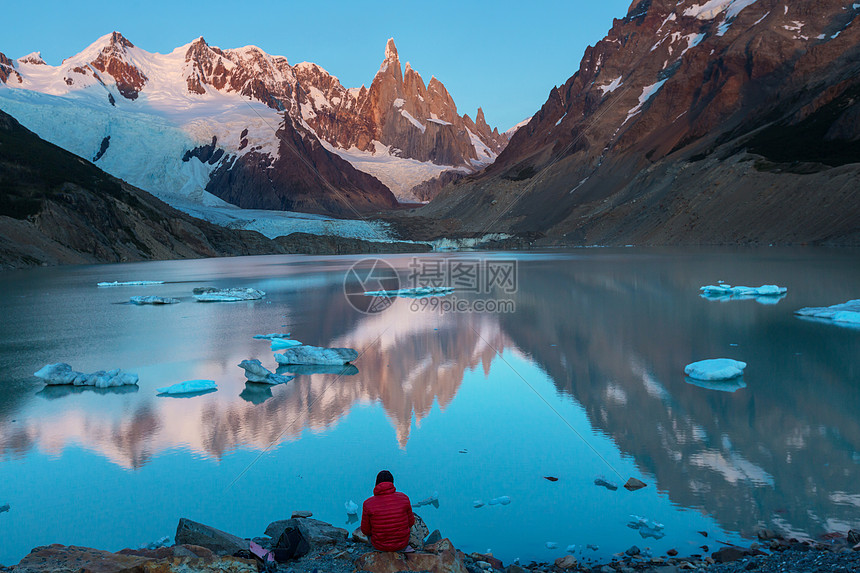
7, 68
391, 51
112, 59
117, 39
32, 58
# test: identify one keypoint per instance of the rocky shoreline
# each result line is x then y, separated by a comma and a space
318, 547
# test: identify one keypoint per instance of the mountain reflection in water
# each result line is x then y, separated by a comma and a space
613, 332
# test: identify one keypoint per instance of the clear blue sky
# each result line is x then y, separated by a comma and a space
504, 56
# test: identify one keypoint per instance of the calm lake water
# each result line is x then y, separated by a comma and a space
584, 379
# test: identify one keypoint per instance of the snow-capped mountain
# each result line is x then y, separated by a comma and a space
692, 121
205, 125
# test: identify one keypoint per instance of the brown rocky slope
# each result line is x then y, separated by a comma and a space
690, 123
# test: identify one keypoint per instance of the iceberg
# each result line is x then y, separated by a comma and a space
715, 369
730, 385
152, 300
256, 372
130, 283
765, 294
316, 355
351, 507
271, 336
845, 314
282, 343
432, 499
551, 545
603, 482
416, 292
212, 294
62, 373
189, 387
477, 503
646, 527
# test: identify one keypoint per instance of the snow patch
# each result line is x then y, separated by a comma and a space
412, 120
647, 93
611, 86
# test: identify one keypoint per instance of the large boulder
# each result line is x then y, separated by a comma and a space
418, 533
223, 543
315, 531
441, 557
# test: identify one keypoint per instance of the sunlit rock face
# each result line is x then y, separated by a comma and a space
690, 122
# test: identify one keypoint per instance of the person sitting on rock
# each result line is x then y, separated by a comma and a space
386, 518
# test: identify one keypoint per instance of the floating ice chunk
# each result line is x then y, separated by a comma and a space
188, 387
271, 336
282, 343
416, 292
845, 314
570, 548
551, 545
212, 294
593, 547
316, 355
603, 482
715, 369
152, 300
62, 373
161, 542
256, 372
477, 503
130, 283
4, 508
432, 499
765, 294
731, 385
351, 507
503, 500
646, 527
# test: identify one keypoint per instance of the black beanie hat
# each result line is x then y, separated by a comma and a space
384, 475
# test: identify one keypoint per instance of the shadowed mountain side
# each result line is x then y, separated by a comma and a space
729, 126
738, 455
57, 208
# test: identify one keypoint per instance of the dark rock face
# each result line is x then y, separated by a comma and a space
687, 126
304, 177
111, 60
7, 69
102, 148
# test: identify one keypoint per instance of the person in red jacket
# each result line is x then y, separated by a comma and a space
386, 518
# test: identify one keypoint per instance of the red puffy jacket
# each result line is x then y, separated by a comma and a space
386, 518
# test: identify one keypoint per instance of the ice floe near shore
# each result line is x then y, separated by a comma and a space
256, 372
715, 369
130, 283
62, 373
765, 294
845, 314
189, 387
316, 355
141, 300
212, 294
416, 292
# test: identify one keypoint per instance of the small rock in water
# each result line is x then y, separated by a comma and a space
301, 514
152, 300
633, 551
703, 533
633, 484
189, 387
435, 536
551, 545
4, 508
593, 547
351, 507
550, 478
566, 562
672, 552
477, 503
602, 482
464, 451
